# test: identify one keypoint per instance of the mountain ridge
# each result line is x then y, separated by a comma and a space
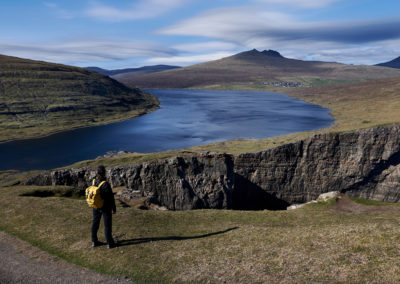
395, 63
139, 70
258, 67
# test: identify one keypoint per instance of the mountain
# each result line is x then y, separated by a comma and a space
132, 71
395, 63
258, 68
38, 98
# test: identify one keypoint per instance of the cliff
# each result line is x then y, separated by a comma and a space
362, 164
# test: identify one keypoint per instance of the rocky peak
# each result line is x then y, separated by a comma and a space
272, 53
255, 55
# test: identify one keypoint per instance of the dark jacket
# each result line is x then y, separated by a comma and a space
107, 195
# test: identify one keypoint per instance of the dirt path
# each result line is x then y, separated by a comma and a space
346, 205
23, 263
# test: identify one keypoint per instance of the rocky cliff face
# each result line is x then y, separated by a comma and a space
203, 181
362, 164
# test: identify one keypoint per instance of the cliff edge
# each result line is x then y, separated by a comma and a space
363, 164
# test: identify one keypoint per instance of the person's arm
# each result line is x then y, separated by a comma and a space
114, 208
110, 197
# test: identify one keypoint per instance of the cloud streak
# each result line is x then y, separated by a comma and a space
246, 24
299, 3
183, 60
144, 9
80, 52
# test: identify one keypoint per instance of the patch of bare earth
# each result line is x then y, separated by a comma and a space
23, 263
345, 205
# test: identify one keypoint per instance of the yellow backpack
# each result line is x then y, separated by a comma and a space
93, 197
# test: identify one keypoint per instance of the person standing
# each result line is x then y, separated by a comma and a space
106, 211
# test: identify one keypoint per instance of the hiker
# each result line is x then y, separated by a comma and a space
107, 195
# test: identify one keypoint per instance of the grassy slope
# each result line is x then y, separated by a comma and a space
257, 67
312, 244
38, 98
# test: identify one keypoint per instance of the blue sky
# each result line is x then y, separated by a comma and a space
127, 33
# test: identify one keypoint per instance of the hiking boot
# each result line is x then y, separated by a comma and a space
112, 245
95, 244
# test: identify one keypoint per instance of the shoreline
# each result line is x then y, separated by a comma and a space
80, 127
158, 107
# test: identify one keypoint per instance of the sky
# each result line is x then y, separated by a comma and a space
135, 33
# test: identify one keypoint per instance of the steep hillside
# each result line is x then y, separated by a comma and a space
262, 68
395, 63
38, 98
132, 71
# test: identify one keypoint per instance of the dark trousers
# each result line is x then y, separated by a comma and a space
107, 217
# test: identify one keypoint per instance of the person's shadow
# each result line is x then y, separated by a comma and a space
137, 241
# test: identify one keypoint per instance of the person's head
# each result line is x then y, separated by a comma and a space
101, 172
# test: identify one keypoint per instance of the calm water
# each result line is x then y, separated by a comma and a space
186, 118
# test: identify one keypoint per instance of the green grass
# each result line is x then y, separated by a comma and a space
371, 202
312, 244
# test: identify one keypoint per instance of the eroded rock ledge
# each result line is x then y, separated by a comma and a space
362, 164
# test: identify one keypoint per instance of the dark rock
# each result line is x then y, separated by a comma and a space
180, 183
363, 164
272, 53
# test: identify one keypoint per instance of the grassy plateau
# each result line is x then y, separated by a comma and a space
318, 243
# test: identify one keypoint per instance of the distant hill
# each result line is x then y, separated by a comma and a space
38, 98
132, 71
395, 63
258, 67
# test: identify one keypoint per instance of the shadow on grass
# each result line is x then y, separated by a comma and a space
169, 238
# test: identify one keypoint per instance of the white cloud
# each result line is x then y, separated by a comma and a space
255, 28
369, 54
207, 46
81, 52
232, 24
299, 3
143, 9
188, 60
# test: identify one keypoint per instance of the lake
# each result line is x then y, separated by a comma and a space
186, 118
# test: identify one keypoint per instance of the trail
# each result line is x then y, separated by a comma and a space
23, 263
